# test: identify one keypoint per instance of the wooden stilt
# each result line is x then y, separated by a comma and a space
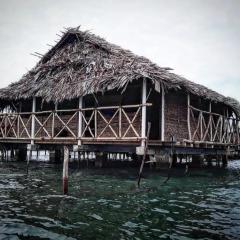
79, 157
224, 160
209, 161
145, 154
172, 160
12, 154
37, 157
65, 170
28, 160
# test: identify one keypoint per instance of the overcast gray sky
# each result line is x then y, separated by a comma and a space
200, 39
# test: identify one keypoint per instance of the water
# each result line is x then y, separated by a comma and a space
104, 204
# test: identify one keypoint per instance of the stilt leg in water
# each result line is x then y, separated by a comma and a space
144, 155
79, 156
28, 160
172, 161
65, 170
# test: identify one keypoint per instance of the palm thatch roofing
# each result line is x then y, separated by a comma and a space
82, 63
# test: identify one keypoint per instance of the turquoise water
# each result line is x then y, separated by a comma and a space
104, 204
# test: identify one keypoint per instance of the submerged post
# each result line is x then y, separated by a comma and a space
65, 170
80, 105
163, 115
144, 111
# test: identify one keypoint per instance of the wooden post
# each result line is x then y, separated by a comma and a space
163, 115
95, 122
238, 137
188, 117
145, 154
201, 126
210, 119
227, 141
144, 111
53, 120
120, 123
33, 120
65, 170
80, 106
21, 154
224, 160
29, 157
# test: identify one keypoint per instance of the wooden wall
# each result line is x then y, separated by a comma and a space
176, 115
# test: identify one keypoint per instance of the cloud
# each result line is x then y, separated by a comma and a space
199, 39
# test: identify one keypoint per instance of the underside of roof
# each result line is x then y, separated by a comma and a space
82, 63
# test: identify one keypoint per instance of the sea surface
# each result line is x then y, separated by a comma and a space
105, 203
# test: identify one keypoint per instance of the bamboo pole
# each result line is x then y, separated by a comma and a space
210, 121
163, 115
144, 110
120, 123
201, 126
65, 170
33, 120
80, 120
188, 117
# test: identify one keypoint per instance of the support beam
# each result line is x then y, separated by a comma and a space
163, 115
144, 111
188, 117
210, 121
65, 170
33, 120
80, 120
53, 120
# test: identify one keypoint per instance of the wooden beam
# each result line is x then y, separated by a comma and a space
144, 111
33, 120
188, 117
53, 120
80, 120
210, 121
163, 115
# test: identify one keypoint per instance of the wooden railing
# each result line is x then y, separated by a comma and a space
115, 122
212, 127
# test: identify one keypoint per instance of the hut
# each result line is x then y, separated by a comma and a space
95, 96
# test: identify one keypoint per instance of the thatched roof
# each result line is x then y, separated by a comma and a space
82, 63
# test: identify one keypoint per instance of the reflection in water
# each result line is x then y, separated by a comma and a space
104, 204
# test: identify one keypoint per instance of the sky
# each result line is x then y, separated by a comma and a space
199, 39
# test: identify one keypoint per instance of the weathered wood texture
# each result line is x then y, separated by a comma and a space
212, 127
97, 123
175, 116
